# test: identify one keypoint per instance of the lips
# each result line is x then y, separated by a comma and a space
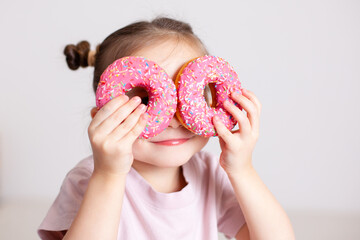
172, 142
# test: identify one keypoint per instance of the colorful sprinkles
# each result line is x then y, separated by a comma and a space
129, 72
194, 112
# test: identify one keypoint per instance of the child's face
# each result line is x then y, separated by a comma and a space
175, 145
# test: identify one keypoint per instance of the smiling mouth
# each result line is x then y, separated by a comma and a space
172, 142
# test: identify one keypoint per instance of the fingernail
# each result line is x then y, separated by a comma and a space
142, 107
136, 99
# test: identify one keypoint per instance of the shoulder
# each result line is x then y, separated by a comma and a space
208, 169
204, 161
86, 164
206, 165
83, 167
67, 203
79, 175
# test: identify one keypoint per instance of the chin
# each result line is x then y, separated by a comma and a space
167, 156
164, 161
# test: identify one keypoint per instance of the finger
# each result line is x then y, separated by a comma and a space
222, 130
248, 106
240, 117
128, 123
115, 119
135, 132
108, 109
250, 95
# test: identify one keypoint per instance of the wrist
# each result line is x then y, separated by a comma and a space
108, 178
244, 171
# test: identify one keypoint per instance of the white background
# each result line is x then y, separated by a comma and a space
301, 59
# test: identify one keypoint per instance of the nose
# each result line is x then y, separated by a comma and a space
174, 122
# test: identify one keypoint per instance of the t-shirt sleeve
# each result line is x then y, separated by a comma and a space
229, 214
66, 205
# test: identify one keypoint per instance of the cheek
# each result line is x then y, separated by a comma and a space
200, 142
139, 148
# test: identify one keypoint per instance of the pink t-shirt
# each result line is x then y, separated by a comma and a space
204, 207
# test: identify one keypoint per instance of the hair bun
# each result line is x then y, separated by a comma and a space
91, 58
77, 55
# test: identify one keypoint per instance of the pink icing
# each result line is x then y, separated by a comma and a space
194, 111
129, 72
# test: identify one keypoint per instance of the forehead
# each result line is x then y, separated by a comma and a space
170, 55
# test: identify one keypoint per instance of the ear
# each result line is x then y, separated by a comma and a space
93, 112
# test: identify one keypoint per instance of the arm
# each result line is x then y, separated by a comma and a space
112, 132
243, 233
99, 213
264, 216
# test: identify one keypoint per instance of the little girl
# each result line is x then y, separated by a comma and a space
163, 187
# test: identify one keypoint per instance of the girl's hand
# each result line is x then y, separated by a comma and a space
112, 133
237, 146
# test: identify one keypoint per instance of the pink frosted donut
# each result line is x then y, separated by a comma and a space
193, 111
128, 72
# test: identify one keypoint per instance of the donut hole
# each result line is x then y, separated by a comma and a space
141, 92
209, 95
